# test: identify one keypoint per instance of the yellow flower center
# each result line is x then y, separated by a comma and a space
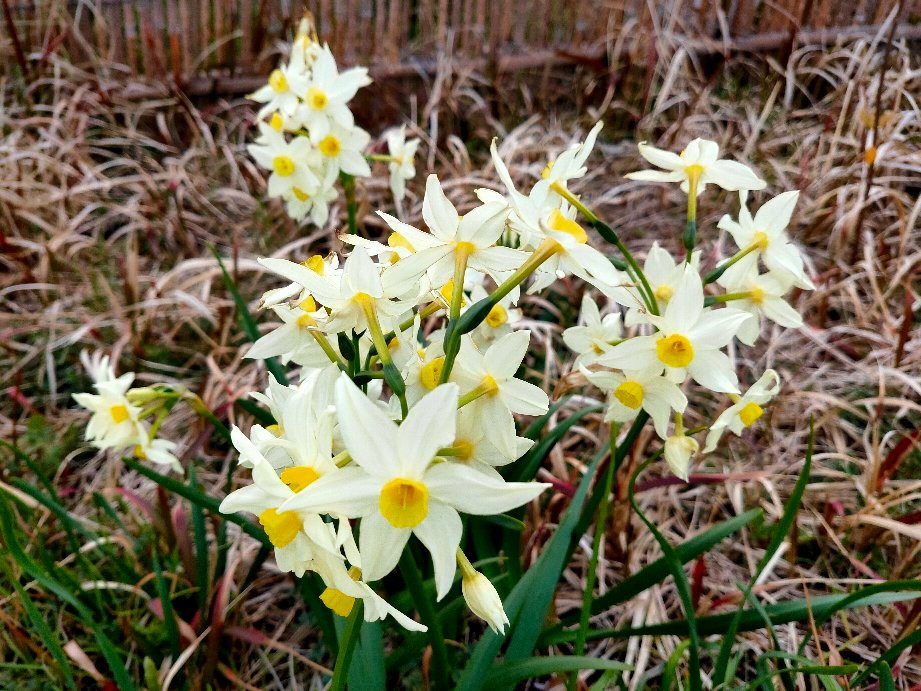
497, 316
119, 413
300, 194
278, 81
393, 343
675, 350
489, 385
664, 293
562, 224
298, 477
317, 98
463, 449
431, 373
630, 393
751, 412
305, 321
447, 292
760, 240
283, 165
396, 240
694, 170
308, 304
545, 173
404, 503
330, 146
756, 294
138, 452
336, 600
315, 264
276, 123
281, 528
275, 429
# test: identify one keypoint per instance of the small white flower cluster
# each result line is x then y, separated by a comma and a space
308, 136
118, 414
409, 352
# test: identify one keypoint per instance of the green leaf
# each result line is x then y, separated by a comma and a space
780, 613
526, 606
166, 603
510, 673
367, 672
778, 535
525, 468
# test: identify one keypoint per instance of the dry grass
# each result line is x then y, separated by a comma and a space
108, 208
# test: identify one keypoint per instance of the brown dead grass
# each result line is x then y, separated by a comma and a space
109, 206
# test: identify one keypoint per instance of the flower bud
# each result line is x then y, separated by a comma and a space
678, 451
484, 601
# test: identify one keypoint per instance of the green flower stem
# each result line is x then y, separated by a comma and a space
608, 233
351, 206
719, 270
327, 348
727, 297
411, 574
391, 374
460, 268
610, 471
690, 228
474, 316
383, 158
476, 393
347, 647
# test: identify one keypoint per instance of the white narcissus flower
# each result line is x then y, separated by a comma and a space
293, 336
634, 391
745, 410
358, 289
286, 84
472, 237
159, 451
473, 446
296, 535
322, 266
490, 379
402, 167
766, 231
699, 159
763, 297
570, 164
596, 336
115, 423
290, 162
500, 320
397, 489
299, 203
323, 107
341, 149
688, 341
663, 274
679, 449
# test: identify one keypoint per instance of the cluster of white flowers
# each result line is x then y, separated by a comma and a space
119, 413
308, 136
409, 350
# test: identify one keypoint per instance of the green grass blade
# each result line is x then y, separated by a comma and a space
889, 657
367, 671
525, 468
108, 650
779, 534
166, 604
886, 682
246, 319
798, 610
510, 673
676, 568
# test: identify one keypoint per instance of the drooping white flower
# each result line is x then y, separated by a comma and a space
763, 297
701, 159
481, 596
403, 153
115, 423
767, 232
595, 336
744, 411
632, 391
688, 340
397, 489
